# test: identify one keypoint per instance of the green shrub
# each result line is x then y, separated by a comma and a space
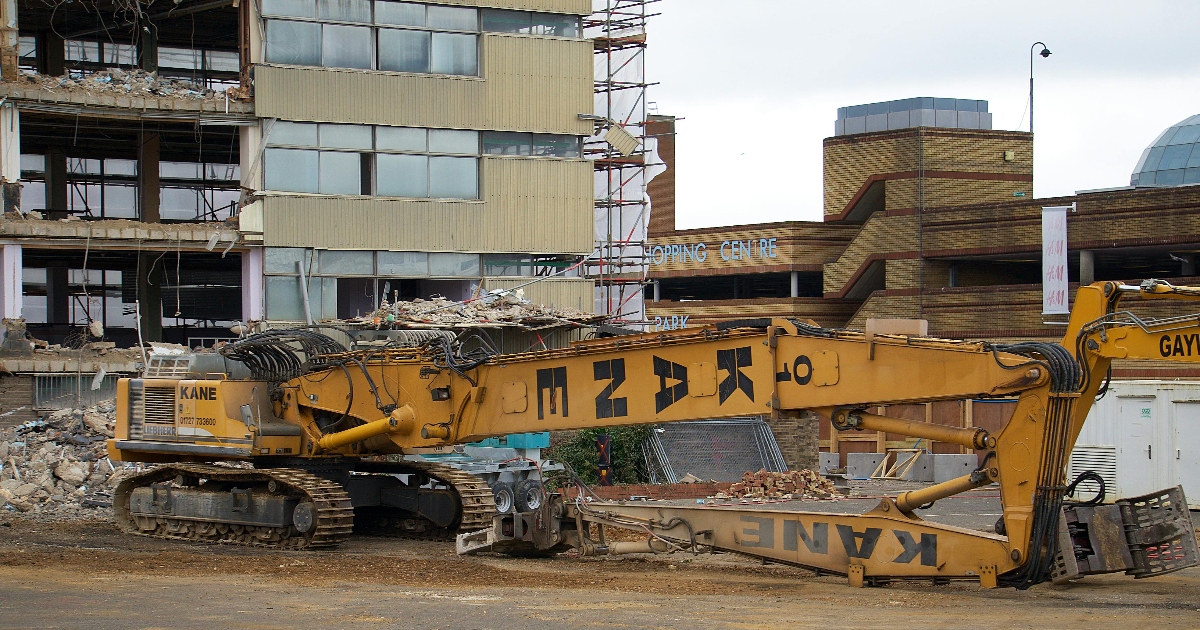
628, 465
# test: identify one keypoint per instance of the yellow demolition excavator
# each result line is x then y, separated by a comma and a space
288, 439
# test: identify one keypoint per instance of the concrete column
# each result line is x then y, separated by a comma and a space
252, 285
58, 296
10, 157
9, 52
148, 176
795, 284
148, 47
51, 54
149, 298
11, 282
56, 183
1087, 266
953, 276
657, 290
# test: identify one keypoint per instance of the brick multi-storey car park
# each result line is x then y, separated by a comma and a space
927, 222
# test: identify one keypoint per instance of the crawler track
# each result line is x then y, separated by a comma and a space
333, 516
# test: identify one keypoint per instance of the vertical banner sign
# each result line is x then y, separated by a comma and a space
1054, 260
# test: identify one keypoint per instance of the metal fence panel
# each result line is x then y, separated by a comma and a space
71, 391
721, 450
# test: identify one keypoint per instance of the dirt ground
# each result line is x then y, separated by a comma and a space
85, 575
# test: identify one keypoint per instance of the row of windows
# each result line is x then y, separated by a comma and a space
190, 191
338, 159
394, 36
217, 69
386, 264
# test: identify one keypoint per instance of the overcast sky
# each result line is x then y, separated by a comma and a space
758, 83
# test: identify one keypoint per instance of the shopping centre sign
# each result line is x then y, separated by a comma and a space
727, 253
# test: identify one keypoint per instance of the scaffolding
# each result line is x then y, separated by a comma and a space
619, 265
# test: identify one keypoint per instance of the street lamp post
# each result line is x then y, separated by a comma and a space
1045, 53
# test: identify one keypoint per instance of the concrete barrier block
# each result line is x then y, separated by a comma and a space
829, 461
861, 465
947, 467
921, 470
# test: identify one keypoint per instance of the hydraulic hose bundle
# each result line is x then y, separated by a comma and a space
1066, 377
280, 355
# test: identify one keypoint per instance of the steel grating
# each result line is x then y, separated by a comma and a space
720, 450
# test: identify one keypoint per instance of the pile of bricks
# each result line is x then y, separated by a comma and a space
793, 484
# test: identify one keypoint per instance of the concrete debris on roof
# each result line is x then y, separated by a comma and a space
115, 81
794, 484
495, 310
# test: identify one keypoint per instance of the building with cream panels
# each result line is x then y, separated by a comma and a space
169, 171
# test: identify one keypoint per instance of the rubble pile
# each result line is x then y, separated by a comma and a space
59, 465
497, 309
118, 82
794, 484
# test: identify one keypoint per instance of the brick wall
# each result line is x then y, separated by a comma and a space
852, 162
16, 400
662, 188
880, 235
827, 312
798, 439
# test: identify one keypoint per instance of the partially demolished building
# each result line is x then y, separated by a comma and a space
170, 169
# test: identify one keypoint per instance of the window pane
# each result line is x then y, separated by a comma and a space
1195, 159
555, 146
347, 263
1170, 178
400, 13
497, 21
1152, 160
453, 18
506, 143
403, 51
454, 141
346, 136
507, 265
341, 173
556, 25
179, 170
186, 58
179, 203
115, 167
290, 170
120, 201
223, 61
454, 54
401, 175
284, 300
454, 178
345, 10
403, 264
443, 265
398, 139
33, 196
293, 42
298, 8
284, 259
120, 54
1176, 156
292, 134
1186, 135
346, 46
36, 163
82, 51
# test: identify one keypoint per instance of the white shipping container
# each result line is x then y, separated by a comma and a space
1143, 436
